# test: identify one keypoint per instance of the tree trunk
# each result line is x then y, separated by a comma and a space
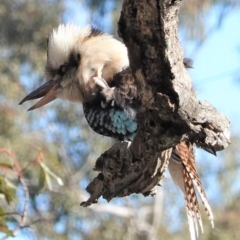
170, 111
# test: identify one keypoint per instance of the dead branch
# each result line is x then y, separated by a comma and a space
170, 111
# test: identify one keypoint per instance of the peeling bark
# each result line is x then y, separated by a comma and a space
170, 111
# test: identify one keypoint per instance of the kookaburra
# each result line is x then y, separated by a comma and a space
88, 66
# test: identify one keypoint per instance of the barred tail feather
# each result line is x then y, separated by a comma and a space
190, 167
192, 224
204, 199
192, 204
181, 178
183, 170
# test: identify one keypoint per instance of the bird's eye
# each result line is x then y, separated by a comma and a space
62, 69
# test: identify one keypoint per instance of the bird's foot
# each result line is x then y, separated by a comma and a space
107, 92
101, 82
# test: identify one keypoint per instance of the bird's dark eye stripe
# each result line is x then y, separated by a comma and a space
62, 69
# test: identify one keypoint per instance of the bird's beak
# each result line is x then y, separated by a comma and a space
47, 92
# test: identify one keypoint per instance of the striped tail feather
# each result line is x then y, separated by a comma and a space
182, 168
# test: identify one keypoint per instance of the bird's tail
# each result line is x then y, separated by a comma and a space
182, 168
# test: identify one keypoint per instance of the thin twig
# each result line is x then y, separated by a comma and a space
17, 169
10, 213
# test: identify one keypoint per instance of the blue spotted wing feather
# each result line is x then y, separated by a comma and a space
111, 112
111, 121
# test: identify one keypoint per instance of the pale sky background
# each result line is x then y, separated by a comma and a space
216, 78
217, 69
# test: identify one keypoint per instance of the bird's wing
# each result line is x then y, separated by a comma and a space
109, 120
112, 110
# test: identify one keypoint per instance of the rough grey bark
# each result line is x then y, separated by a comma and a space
170, 112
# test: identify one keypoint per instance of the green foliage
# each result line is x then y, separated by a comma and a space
7, 190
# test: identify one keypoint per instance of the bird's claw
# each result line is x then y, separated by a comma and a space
101, 82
